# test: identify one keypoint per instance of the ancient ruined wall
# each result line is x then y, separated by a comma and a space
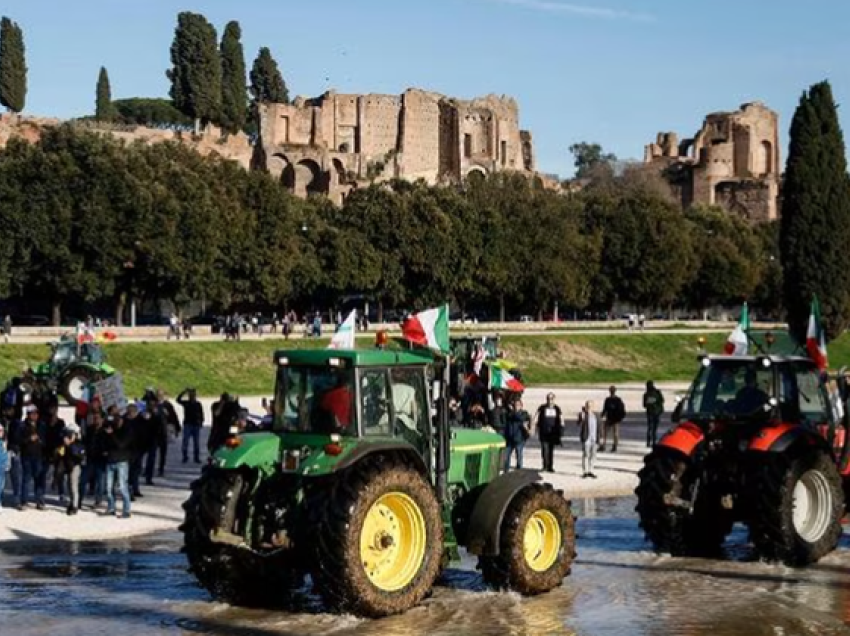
422, 135
344, 121
379, 125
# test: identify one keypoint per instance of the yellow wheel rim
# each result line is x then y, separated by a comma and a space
392, 541
542, 540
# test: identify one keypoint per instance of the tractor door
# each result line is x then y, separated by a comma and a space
804, 399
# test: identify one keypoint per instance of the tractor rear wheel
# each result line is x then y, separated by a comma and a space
229, 574
665, 489
379, 546
797, 505
536, 545
73, 384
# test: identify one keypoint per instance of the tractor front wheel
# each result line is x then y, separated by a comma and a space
380, 543
537, 543
797, 505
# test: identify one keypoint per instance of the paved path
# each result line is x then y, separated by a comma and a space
160, 509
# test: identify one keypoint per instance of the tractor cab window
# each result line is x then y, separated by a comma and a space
375, 402
803, 396
92, 353
315, 400
410, 405
731, 388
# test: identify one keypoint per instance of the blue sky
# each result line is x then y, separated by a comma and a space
611, 71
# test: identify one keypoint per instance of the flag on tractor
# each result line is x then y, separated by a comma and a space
815, 337
737, 344
429, 328
479, 354
502, 379
344, 336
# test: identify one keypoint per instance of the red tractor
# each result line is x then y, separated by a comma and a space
760, 440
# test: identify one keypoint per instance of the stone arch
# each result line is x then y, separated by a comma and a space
277, 164
338, 172
764, 158
309, 178
476, 173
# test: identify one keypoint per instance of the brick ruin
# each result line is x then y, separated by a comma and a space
328, 144
733, 162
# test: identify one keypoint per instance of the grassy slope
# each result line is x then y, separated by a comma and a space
245, 368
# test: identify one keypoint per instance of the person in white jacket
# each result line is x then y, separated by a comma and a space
588, 424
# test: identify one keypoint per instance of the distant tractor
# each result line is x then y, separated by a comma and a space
69, 370
758, 439
364, 488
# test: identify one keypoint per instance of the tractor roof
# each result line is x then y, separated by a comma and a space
355, 357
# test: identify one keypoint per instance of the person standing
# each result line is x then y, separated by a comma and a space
653, 403
32, 457
613, 413
137, 427
516, 433
13, 448
54, 442
94, 472
118, 454
549, 426
588, 430
156, 429
72, 455
7, 327
171, 427
5, 463
193, 421
498, 414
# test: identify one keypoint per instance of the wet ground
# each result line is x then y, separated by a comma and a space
618, 586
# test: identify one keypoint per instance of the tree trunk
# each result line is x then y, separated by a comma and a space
56, 313
120, 303
501, 308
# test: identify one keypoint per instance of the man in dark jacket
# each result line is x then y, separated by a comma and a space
54, 441
653, 403
225, 412
119, 452
193, 421
516, 432
613, 413
137, 426
13, 446
71, 456
155, 429
168, 415
32, 442
550, 429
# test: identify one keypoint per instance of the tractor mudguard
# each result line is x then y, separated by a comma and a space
364, 450
778, 439
485, 525
684, 438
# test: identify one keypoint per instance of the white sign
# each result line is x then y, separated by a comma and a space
111, 392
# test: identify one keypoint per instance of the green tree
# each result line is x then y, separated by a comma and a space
104, 110
234, 95
267, 83
196, 69
591, 162
815, 222
13, 66
150, 111
767, 298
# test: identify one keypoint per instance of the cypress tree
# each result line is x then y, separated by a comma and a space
13, 66
196, 69
104, 109
234, 96
267, 83
815, 223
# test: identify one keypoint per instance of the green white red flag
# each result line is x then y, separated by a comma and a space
429, 328
502, 379
738, 343
815, 337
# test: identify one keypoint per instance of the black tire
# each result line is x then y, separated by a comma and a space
231, 575
510, 569
82, 374
666, 478
773, 530
338, 571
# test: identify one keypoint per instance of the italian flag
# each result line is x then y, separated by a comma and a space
815, 338
429, 328
737, 344
502, 379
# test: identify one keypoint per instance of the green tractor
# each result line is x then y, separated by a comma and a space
72, 366
362, 485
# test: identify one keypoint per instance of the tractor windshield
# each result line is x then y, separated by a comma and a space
730, 388
64, 352
315, 399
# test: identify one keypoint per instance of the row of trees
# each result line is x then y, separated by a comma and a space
87, 218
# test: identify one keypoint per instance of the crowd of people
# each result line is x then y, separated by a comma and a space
104, 453
507, 415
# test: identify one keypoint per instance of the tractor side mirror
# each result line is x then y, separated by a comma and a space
676, 415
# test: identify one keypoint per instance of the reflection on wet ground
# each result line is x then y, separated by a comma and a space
618, 586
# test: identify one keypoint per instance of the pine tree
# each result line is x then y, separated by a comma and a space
104, 109
267, 83
815, 223
196, 72
234, 95
13, 66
